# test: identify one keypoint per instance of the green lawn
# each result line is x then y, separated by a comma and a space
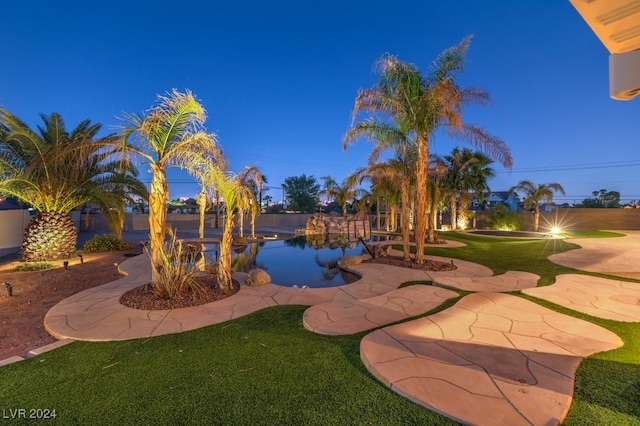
267, 369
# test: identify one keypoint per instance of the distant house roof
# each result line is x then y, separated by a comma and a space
8, 205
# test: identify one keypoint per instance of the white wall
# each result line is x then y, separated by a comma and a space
12, 224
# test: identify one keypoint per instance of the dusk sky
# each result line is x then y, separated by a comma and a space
278, 79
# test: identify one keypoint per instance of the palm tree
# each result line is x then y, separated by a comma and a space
534, 194
170, 134
341, 193
56, 171
466, 172
419, 106
236, 193
397, 172
203, 203
252, 179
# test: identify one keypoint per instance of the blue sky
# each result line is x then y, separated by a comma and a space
278, 78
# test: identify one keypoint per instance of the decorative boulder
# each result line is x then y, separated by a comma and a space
348, 260
383, 250
257, 277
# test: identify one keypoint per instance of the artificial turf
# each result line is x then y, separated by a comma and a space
265, 368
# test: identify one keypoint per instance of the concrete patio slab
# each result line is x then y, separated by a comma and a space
454, 362
507, 282
340, 318
598, 297
613, 256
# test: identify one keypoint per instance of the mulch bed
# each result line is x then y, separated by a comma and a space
144, 298
427, 265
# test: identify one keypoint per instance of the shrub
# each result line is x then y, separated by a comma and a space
102, 243
176, 273
503, 219
33, 266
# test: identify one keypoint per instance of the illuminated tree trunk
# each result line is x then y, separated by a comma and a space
202, 205
254, 213
158, 199
224, 264
421, 184
404, 194
454, 211
536, 218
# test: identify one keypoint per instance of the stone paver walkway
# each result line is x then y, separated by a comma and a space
509, 281
492, 359
96, 314
350, 317
599, 297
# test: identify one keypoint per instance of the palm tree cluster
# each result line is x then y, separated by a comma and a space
405, 111
55, 171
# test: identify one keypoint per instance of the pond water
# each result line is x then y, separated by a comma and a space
302, 261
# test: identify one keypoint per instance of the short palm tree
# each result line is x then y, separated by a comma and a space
419, 106
466, 172
55, 171
170, 134
233, 189
341, 193
252, 179
534, 194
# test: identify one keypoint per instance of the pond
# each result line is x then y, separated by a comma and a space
310, 261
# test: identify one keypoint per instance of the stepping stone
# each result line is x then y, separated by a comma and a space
492, 359
509, 281
350, 317
595, 296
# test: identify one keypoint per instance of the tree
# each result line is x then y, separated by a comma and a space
418, 106
252, 179
170, 134
55, 171
602, 199
302, 193
534, 194
396, 173
235, 193
467, 172
342, 193
267, 199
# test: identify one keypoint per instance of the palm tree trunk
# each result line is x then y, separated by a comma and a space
404, 194
158, 199
202, 205
536, 218
393, 219
217, 224
454, 211
254, 213
241, 226
224, 264
421, 184
378, 214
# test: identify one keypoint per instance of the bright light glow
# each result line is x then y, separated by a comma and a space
555, 230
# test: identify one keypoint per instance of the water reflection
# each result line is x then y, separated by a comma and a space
302, 261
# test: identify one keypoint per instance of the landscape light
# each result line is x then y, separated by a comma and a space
556, 230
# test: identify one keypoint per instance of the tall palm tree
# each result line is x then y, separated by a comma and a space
421, 105
170, 134
466, 172
55, 171
534, 194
